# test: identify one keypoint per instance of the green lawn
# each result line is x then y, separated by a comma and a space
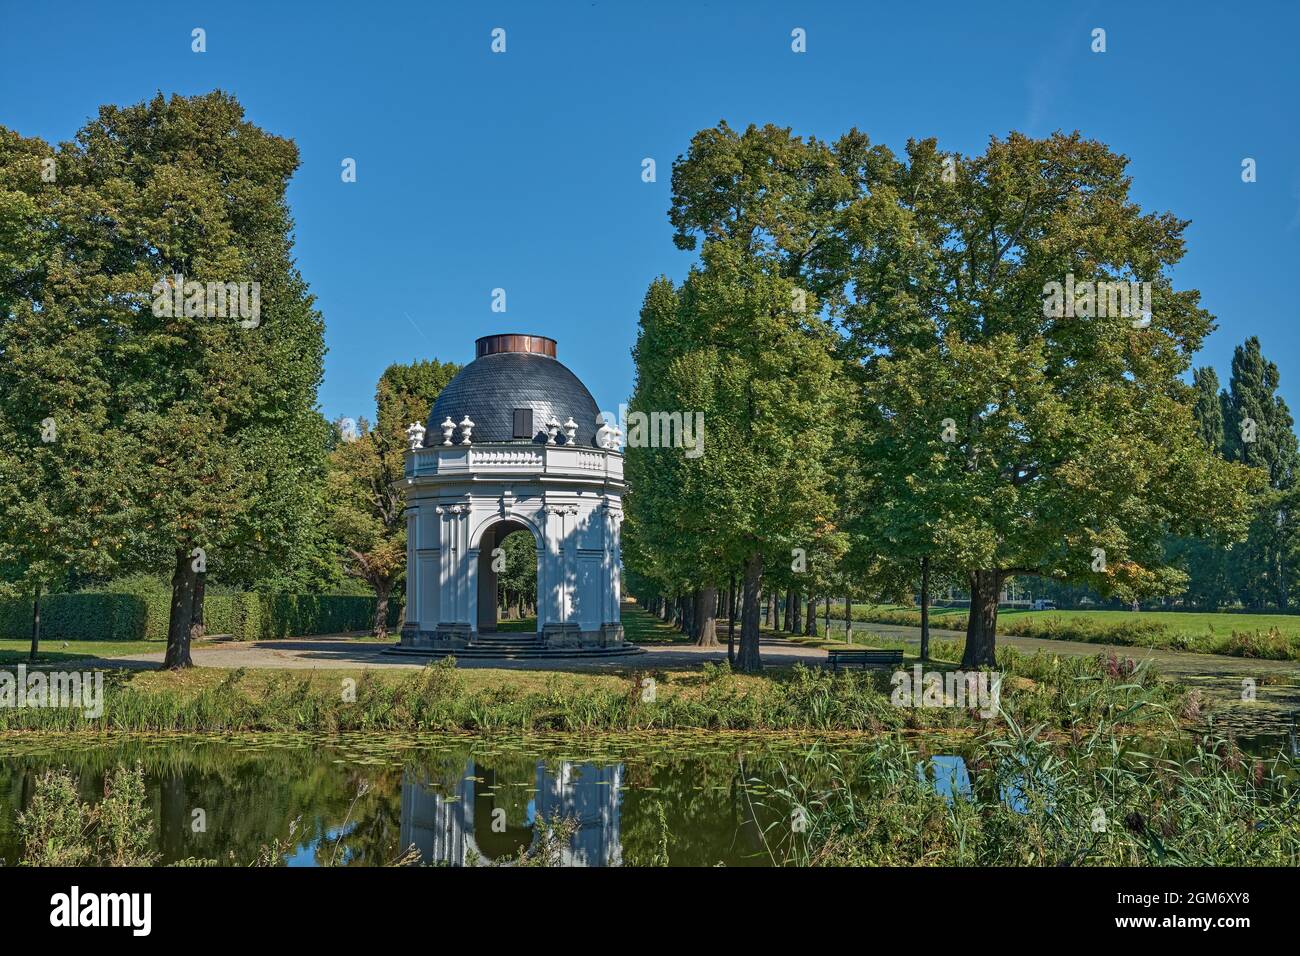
1273, 636
1189, 623
15, 651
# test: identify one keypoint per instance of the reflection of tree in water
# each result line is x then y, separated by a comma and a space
697, 803
520, 795
248, 796
704, 804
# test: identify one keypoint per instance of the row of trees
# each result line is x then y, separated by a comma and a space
885, 395
1250, 423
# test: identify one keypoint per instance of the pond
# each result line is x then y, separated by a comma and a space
458, 801
363, 800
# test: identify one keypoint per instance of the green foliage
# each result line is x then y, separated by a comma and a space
745, 342
1235, 635
176, 431
365, 505
517, 583
58, 829
143, 614
1102, 802
436, 699
78, 617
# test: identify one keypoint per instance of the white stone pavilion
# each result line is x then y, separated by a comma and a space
514, 442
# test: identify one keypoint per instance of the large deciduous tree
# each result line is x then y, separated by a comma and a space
211, 410
743, 341
63, 496
1042, 442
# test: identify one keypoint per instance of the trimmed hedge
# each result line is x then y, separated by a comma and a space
77, 617
143, 614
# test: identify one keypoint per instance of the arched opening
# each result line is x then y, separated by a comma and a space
507, 574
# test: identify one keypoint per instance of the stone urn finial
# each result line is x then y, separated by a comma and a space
414, 436
466, 427
447, 426
552, 429
603, 432
570, 430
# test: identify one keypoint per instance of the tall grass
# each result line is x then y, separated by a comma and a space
1055, 690
1031, 802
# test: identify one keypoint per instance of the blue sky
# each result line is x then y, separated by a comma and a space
522, 170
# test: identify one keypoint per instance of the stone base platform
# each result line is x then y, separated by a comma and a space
490, 651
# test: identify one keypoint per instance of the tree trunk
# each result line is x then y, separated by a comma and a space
197, 628
826, 617
182, 612
36, 622
706, 617
786, 624
925, 608
380, 628
982, 622
767, 608
748, 659
848, 620
810, 622
731, 620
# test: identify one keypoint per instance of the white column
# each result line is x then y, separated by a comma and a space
412, 565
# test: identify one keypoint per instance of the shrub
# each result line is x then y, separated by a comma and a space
57, 829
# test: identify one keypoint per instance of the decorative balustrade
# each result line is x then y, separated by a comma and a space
486, 460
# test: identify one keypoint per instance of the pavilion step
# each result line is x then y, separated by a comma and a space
475, 652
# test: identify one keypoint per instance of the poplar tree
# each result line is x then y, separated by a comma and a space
1261, 433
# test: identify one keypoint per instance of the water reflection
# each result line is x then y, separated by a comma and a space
948, 775
487, 817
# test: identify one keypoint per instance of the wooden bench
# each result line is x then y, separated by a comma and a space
864, 658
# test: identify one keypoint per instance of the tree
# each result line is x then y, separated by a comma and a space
173, 259
367, 505
62, 493
517, 581
1208, 409
743, 340
1261, 434
1057, 445
1206, 560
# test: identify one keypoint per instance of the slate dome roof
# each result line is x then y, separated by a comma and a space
513, 372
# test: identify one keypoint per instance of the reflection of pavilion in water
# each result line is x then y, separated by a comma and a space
458, 830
